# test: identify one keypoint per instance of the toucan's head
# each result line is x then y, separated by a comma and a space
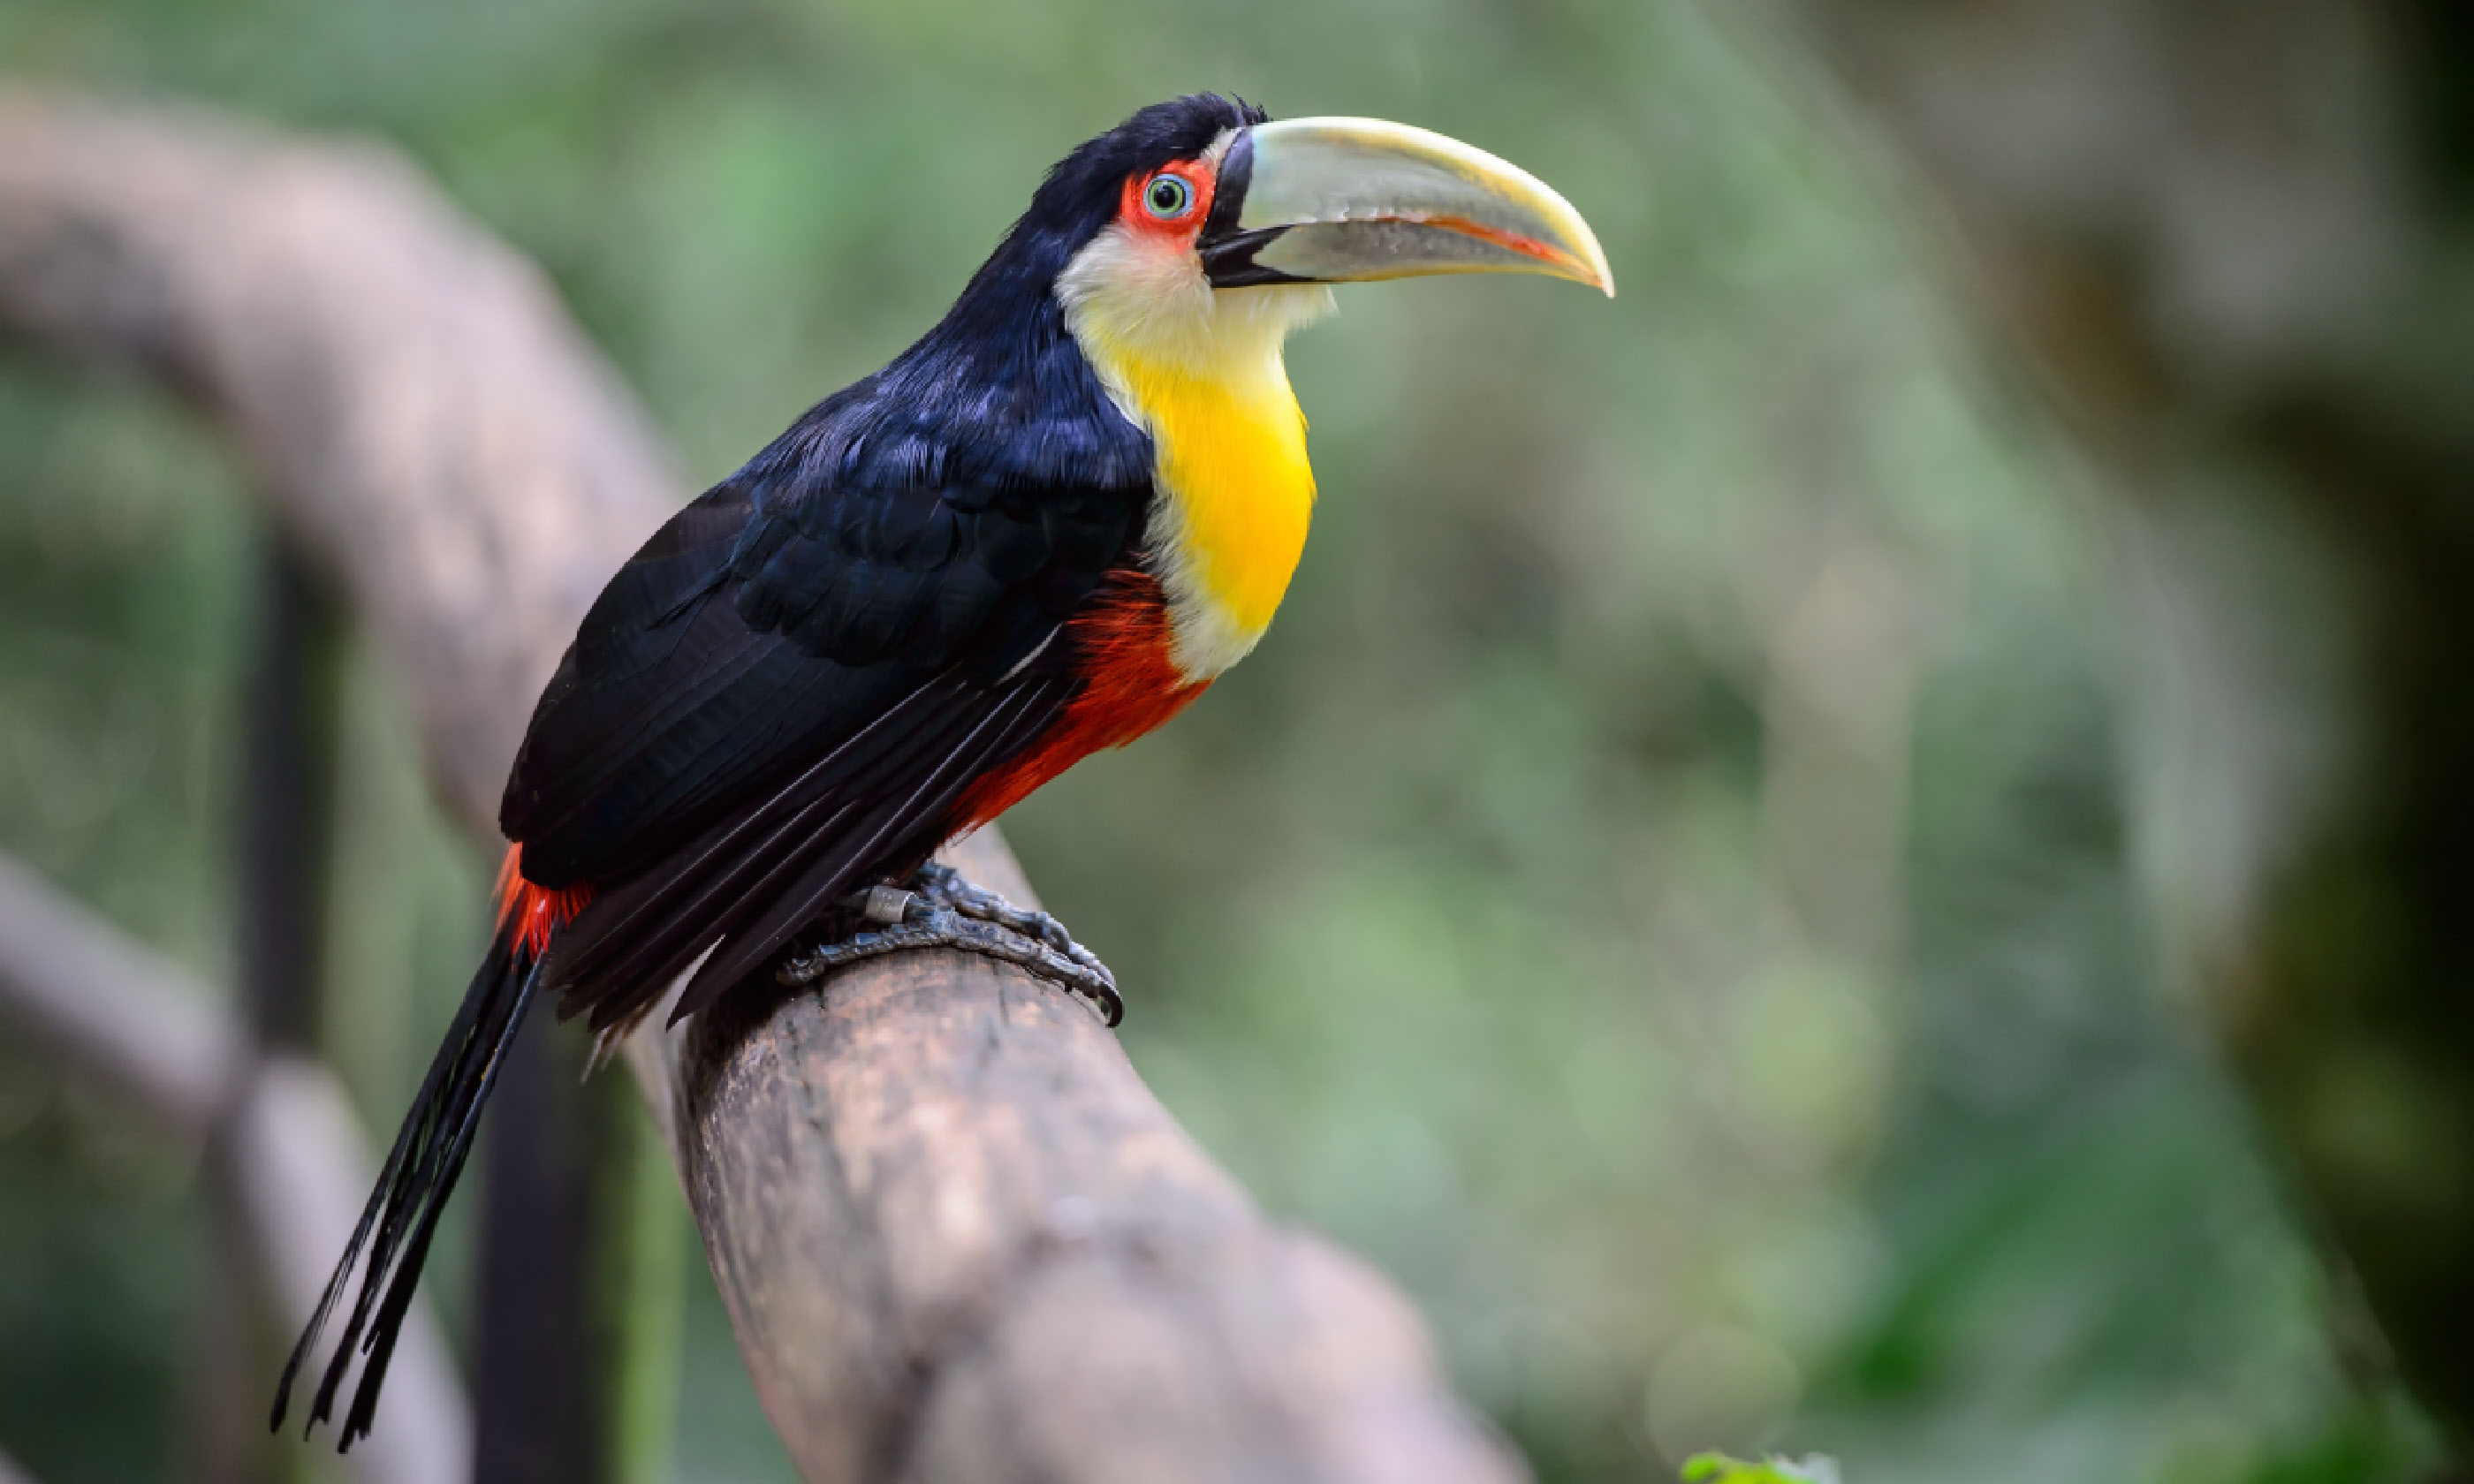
1199, 221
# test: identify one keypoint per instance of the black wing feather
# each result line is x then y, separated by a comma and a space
748, 880
881, 832
783, 692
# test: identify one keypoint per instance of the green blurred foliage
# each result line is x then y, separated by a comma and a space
1659, 891
1719, 1469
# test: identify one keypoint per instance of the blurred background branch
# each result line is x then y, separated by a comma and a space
292, 1156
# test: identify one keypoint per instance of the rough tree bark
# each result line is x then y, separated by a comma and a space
958, 1238
2230, 238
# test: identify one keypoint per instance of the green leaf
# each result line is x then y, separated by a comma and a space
1719, 1469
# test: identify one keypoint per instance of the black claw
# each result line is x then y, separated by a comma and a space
941, 910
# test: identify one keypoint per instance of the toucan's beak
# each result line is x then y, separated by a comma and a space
1337, 200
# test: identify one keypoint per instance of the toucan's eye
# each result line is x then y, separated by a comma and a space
1167, 197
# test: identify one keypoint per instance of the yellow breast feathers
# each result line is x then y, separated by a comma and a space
1236, 495
1200, 371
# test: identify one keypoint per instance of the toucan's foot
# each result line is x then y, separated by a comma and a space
938, 909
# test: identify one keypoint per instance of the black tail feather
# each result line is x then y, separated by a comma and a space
413, 1187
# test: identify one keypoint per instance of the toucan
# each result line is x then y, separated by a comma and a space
1042, 530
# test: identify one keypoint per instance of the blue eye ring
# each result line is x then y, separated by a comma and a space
1167, 197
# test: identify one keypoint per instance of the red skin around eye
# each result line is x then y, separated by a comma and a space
1137, 217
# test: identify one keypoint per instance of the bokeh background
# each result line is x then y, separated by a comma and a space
1668, 891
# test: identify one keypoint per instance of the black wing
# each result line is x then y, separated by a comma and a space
784, 690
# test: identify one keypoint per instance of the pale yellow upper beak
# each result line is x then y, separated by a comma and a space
1340, 200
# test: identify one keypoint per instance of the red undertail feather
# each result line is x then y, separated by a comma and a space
1130, 685
535, 911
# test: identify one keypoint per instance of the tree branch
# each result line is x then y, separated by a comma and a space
281, 1130
958, 1237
